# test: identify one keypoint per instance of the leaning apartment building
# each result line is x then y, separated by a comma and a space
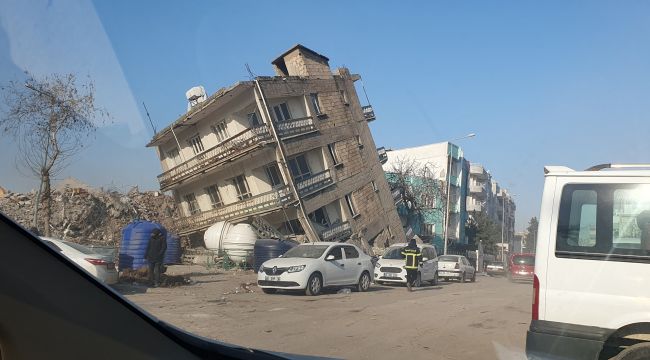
290, 154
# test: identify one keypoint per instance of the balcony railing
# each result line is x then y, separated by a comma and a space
253, 205
295, 127
383, 156
479, 190
368, 112
231, 148
314, 183
337, 232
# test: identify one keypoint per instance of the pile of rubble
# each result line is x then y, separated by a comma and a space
91, 216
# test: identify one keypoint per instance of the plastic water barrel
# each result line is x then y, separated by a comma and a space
267, 249
135, 239
239, 242
173, 252
214, 235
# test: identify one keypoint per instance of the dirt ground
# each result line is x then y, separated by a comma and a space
487, 319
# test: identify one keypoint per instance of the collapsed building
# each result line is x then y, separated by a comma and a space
290, 154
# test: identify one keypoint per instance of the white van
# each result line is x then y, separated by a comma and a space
591, 296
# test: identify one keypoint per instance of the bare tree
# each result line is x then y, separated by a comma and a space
421, 190
51, 119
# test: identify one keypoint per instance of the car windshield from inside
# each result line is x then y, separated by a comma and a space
448, 258
306, 251
393, 253
523, 260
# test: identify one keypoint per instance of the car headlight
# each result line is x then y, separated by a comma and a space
377, 265
296, 268
261, 268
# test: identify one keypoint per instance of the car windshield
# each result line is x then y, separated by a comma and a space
306, 251
393, 253
495, 263
523, 260
447, 258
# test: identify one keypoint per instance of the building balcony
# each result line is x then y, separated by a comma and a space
239, 145
337, 232
473, 207
315, 183
383, 156
254, 205
478, 190
368, 112
295, 127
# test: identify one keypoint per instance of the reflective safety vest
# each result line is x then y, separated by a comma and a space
413, 257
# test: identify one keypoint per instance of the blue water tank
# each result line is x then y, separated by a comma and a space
267, 249
135, 239
173, 253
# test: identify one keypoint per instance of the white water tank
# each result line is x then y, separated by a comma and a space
195, 96
239, 243
214, 235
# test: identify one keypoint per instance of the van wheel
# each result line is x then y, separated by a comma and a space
636, 352
314, 285
462, 278
364, 282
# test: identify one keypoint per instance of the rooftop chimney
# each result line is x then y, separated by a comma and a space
301, 61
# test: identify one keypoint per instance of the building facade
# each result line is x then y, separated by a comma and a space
444, 170
291, 154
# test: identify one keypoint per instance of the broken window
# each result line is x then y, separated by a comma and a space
174, 156
220, 130
299, 168
273, 173
197, 144
241, 186
215, 198
315, 103
192, 204
282, 112
320, 217
351, 206
374, 186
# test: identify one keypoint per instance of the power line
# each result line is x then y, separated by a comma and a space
149, 117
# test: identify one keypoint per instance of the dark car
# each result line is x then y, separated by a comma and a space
521, 267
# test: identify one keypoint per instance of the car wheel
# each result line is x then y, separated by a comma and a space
314, 285
269, 291
462, 278
434, 282
474, 276
635, 352
418, 280
364, 282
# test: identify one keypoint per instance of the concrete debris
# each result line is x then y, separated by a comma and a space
242, 288
91, 217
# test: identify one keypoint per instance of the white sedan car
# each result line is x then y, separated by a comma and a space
100, 266
390, 266
455, 267
311, 267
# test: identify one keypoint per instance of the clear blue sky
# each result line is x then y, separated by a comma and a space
551, 82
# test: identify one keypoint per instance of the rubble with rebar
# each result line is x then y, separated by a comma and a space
91, 216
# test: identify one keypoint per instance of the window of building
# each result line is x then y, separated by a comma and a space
344, 96
174, 156
428, 229
273, 173
299, 168
241, 186
320, 217
350, 202
315, 103
254, 120
359, 142
215, 197
332, 150
374, 186
350, 252
604, 222
197, 144
282, 112
220, 130
192, 204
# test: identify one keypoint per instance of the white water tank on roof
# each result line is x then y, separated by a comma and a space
195, 96
239, 243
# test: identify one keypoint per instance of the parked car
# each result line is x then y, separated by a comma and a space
389, 268
455, 267
521, 267
311, 267
100, 266
495, 268
591, 289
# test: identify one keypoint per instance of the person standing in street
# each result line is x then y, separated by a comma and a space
155, 255
413, 257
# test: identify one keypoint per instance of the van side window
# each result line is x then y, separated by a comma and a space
604, 222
